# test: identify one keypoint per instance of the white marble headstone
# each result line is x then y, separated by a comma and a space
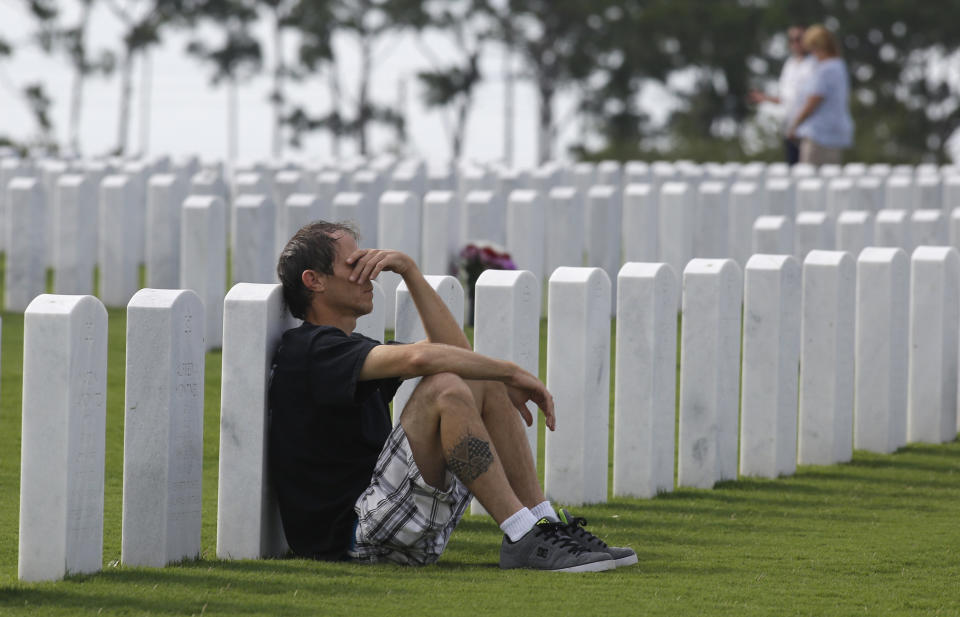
163, 428
63, 437
880, 412
439, 242
771, 356
25, 277
165, 195
744, 204
248, 521
578, 376
813, 231
934, 318
203, 260
75, 235
709, 373
252, 240
645, 395
399, 227
773, 235
825, 423
640, 223
119, 276
891, 228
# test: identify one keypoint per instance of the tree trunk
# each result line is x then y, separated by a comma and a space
333, 84
278, 95
79, 77
363, 104
508, 98
460, 130
146, 90
126, 91
545, 136
233, 126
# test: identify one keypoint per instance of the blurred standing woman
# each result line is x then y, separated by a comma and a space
824, 125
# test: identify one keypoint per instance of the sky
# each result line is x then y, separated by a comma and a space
188, 115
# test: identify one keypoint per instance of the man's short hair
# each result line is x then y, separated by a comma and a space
313, 247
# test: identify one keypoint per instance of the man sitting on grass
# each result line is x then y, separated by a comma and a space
350, 486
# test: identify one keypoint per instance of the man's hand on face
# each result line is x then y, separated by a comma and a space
368, 263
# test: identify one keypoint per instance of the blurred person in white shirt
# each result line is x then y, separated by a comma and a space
797, 69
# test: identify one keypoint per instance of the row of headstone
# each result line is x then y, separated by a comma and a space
877, 369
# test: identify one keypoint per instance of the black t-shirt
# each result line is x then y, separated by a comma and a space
326, 433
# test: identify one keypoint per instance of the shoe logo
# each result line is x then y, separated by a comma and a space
542, 552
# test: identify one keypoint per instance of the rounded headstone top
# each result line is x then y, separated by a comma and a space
877, 254
811, 217
842, 183
711, 266
162, 298
434, 197
927, 215
523, 196
713, 187
202, 201
162, 180
899, 181
674, 188
810, 184
892, 216
506, 278
563, 192
651, 270
854, 216
479, 196
935, 253
743, 188
761, 261
348, 198
71, 180
601, 191
303, 200
827, 258
770, 221
253, 292
60, 304
638, 190
572, 274
395, 197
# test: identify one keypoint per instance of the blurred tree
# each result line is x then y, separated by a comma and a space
235, 59
452, 85
143, 23
558, 41
71, 40
904, 62
903, 59
368, 22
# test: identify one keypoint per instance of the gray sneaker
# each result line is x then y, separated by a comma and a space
548, 547
574, 527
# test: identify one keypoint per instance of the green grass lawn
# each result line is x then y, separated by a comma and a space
878, 536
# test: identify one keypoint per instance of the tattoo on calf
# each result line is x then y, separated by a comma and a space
470, 458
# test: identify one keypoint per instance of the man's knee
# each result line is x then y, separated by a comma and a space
445, 391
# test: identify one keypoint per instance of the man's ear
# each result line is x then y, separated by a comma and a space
314, 281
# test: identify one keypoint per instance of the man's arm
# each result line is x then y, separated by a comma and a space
424, 359
438, 322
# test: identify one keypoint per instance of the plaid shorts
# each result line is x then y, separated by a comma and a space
401, 518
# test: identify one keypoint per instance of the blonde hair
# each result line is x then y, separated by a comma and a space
818, 37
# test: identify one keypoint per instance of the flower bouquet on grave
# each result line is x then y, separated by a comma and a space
474, 258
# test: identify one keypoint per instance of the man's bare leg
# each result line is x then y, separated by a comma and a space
445, 430
507, 430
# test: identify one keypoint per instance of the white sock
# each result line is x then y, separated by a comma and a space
544, 509
518, 524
